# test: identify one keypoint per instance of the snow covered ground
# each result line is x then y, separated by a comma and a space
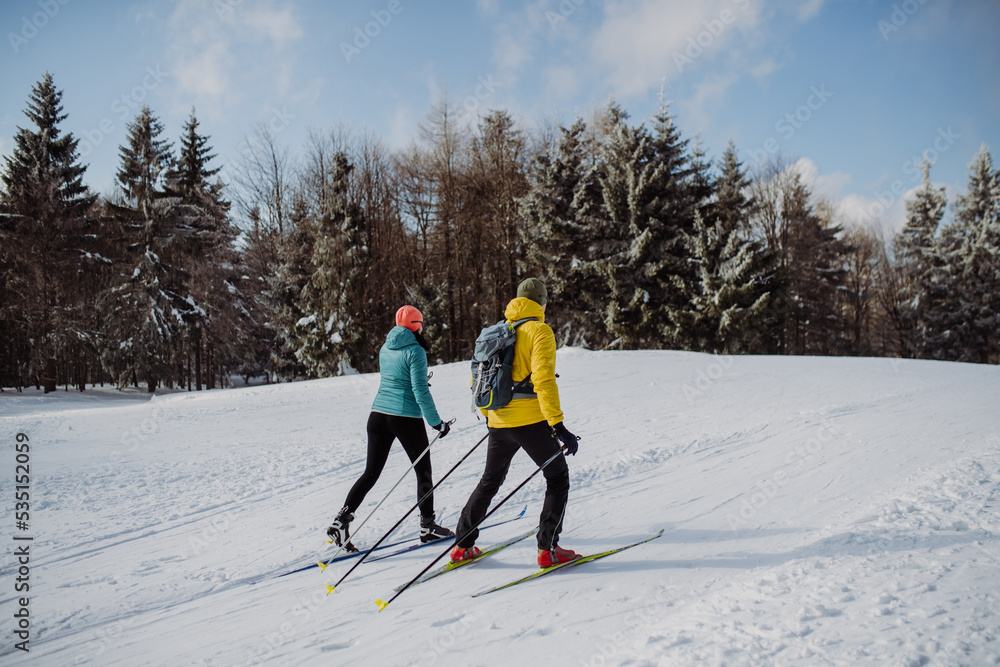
817, 512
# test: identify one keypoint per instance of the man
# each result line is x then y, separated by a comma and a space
532, 421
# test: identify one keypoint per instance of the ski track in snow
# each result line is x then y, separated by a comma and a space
818, 511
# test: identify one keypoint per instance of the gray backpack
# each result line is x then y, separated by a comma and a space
492, 366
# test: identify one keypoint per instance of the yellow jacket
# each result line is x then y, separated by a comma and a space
534, 353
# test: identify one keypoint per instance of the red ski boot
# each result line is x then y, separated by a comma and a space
458, 554
550, 557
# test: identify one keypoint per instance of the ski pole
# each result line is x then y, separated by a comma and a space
330, 589
422, 454
382, 605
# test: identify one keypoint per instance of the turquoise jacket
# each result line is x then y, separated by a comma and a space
403, 390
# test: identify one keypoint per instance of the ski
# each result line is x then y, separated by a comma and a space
322, 565
489, 551
578, 561
427, 544
451, 566
354, 554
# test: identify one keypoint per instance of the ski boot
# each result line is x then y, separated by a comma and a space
556, 555
458, 554
430, 531
339, 530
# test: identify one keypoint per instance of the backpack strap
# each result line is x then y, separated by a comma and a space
524, 388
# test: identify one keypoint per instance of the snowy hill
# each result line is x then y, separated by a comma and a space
817, 511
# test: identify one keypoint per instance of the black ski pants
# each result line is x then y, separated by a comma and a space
539, 443
382, 431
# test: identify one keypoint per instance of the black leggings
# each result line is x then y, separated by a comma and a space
538, 442
382, 431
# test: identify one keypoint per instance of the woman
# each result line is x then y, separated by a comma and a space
403, 396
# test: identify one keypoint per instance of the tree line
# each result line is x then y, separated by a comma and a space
293, 265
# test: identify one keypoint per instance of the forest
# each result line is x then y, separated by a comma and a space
293, 265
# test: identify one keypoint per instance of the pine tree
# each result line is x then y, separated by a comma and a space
287, 263
805, 314
144, 309
648, 197
917, 255
333, 302
45, 236
970, 248
815, 272
556, 241
617, 242
732, 292
208, 258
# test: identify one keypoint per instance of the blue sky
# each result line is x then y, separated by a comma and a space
854, 91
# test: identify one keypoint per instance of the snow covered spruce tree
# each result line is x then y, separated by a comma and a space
207, 260
331, 340
648, 195
921, 294
47, 247
280, 289
732, 290
804, 315
557, 242
815, 271
144, 309
969, 327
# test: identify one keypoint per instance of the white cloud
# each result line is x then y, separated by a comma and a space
827, 186
885, 212
643, 42
562, 81
280, 26
764, 69
402, 127
205, 73
221, 53
808, 9
488, 7
518, 35
710, 91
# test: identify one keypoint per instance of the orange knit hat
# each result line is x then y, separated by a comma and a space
409, 317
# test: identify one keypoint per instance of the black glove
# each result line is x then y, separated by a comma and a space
568, 440
443, 428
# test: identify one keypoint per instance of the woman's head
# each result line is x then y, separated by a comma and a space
410, 317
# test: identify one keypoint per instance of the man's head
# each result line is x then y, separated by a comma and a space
534, 289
